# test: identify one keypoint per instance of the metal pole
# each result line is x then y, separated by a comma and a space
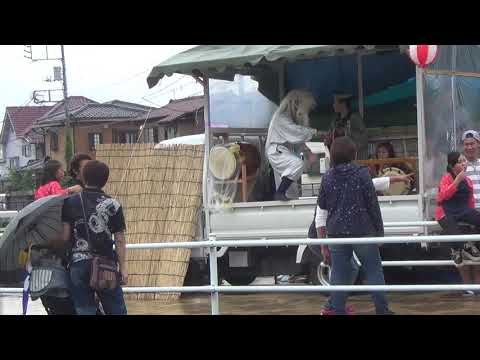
65, 100
214, 297
206, 121
360, 84
454, 102
421, 137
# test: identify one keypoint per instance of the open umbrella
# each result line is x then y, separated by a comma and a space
36, 224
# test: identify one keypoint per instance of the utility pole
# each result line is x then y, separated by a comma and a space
69, 147
68, 136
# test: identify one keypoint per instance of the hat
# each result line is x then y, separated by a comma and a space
471, 134
339, 96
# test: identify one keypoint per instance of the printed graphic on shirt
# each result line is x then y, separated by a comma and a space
98, 224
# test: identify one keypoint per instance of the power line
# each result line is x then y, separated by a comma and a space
166, 87
121, 81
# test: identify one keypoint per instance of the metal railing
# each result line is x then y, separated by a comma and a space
215, 289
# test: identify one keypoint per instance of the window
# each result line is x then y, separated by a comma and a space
151, 135
13, 163
53, 141
170, 132
128, 137
94, 139
27, 150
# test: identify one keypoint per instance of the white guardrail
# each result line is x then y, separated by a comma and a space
214, 289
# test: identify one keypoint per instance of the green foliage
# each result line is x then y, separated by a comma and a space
21, 180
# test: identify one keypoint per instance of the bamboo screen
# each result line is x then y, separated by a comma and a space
161, 194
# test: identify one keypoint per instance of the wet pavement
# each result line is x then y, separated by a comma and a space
279, 304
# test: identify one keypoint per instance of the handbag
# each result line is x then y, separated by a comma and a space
104, 274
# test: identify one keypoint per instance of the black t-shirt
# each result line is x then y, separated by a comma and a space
101, 214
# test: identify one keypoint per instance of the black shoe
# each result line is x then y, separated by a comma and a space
278, 196
386, 312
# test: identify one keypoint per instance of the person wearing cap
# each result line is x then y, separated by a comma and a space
286, 130
471, 141
348, 123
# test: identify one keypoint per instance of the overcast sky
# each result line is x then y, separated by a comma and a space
99, 72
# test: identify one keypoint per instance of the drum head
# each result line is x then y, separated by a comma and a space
222, 163
399, 188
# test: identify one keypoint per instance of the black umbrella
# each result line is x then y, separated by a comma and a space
36, 224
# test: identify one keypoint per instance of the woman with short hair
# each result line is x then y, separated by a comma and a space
348, 194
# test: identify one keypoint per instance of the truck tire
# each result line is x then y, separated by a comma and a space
240, 277
319, 274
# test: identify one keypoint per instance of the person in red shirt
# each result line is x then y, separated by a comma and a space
53, 173
456, 203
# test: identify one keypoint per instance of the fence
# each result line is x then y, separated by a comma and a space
214, 289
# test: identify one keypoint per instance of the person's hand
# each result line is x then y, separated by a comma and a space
312, 158
326, 255
124, 279
402, 178
75, 189
460, 177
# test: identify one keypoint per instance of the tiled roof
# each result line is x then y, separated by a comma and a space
129, 105
23, 117
74, 103
176, 108
95, 112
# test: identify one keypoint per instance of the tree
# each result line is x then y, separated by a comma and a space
21, 180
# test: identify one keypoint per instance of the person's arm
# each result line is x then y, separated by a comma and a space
381, 183
447, 188
371, 203
56, 189
121, 249
294, 133
471, 197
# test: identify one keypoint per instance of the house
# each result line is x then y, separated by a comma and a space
179, 118
118, 121
20, 145
92, 123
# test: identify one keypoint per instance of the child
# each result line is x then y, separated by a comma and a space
52, 175
90, 218
76, 165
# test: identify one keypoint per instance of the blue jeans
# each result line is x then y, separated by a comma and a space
354, 270
83, 295
369, 256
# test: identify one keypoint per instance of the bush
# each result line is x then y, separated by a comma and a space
21, 180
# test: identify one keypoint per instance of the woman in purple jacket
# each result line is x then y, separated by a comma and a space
348, 194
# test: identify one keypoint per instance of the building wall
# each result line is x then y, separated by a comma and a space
58, 154
81, 136
13, 149
189, 125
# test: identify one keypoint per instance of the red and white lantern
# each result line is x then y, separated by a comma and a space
423, 55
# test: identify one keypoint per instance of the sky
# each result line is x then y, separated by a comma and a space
99, 72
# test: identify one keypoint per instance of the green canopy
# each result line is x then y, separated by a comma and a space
260, 61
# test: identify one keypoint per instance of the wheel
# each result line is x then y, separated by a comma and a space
319, 274
242, 277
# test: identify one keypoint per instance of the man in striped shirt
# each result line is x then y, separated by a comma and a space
471, 142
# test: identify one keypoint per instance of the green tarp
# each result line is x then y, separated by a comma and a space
260, 61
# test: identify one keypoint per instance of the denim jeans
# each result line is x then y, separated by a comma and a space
354, 270
369, 256
84, 296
